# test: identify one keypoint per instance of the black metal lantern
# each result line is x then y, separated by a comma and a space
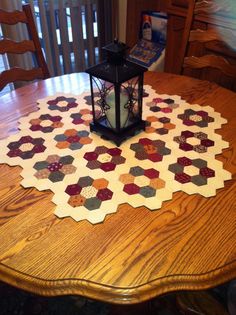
116, 93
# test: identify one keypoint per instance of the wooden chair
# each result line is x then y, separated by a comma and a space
33, 45
210, 40
199, 303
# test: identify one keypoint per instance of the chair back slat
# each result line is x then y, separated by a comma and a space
211, 61
202, 36
18, 74
11, 18
205, 7
208, 7
10, 46
14, 47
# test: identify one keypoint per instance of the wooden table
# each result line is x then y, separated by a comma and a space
188, 244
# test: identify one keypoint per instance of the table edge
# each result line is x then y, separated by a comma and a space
118, 295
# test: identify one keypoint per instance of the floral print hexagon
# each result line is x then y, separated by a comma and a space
104, 158
147, 149
46, 123
198, 118
162, 105
84, 116
157, 125
88, 192
72, 139
62, 103
141, 181
88, 99
187, 170
26, 147
55, 167
196, 141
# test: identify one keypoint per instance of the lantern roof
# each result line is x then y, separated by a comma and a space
116, 73
116, 69
116, 47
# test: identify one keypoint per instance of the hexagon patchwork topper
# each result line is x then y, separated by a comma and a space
90, 177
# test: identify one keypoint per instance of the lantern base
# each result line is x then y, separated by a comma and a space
117, 137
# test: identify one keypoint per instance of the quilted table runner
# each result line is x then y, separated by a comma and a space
90, 177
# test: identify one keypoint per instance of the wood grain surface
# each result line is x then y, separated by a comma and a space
136, 254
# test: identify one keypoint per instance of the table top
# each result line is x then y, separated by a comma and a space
188, 244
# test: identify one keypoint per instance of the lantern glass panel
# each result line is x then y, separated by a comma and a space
107, 104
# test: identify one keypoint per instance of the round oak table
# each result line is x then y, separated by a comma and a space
188, 244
